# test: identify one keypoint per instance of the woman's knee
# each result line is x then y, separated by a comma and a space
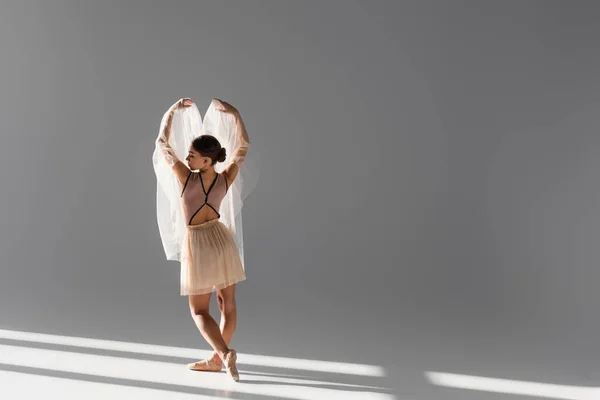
229, 306
226, 300
199, 305
220, 303
199, 311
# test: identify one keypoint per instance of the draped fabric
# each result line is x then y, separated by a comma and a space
186, 125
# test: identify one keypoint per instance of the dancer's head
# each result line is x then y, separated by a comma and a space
205, 152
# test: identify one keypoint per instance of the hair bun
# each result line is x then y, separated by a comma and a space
221, 155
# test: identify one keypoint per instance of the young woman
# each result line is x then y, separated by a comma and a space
206, 247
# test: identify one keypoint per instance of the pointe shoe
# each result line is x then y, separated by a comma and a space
205, 365
230, 364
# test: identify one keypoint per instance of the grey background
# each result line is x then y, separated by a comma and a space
428, 198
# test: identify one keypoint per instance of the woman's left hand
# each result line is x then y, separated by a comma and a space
185, 102
225, 107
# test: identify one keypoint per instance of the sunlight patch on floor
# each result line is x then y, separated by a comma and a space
25, 371
514, 387
248, 359
26, 386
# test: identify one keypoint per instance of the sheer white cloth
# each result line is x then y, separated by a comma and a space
186, 125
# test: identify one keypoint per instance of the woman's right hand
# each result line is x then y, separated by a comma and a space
225, 107
183, 103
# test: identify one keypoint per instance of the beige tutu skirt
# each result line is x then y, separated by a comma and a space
210, 259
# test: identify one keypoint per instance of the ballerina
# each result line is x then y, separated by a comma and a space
190, 205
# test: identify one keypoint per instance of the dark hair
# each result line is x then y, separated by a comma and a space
209, 146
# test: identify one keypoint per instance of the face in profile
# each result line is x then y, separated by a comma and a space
195, 161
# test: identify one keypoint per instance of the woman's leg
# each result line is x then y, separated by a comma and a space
228, 309
199, 308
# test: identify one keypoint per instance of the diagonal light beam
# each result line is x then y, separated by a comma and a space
508, 386
18, 385
245, 359
175, 374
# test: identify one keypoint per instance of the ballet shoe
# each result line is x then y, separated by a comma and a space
205, 365
230, 364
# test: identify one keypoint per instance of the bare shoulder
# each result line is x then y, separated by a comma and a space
181, 171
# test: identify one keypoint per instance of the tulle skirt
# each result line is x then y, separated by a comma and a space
210, 259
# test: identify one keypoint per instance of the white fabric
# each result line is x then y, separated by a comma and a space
187, 124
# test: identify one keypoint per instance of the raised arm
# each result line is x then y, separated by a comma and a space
239, 153
179, 168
